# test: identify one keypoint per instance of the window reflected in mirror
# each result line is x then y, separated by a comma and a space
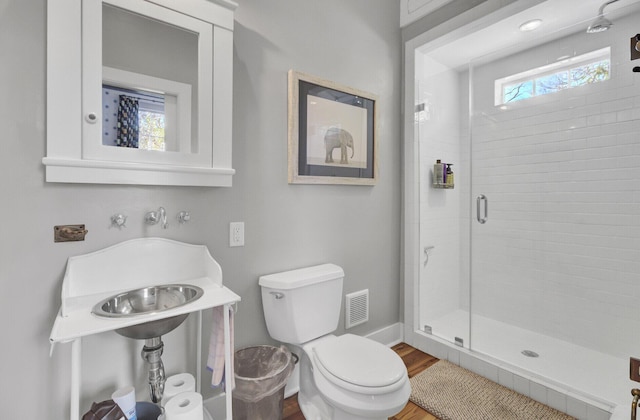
133, 118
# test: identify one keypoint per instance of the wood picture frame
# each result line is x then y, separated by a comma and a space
332, 133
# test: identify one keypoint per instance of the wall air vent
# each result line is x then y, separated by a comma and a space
356, 308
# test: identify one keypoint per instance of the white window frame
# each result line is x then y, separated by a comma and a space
565, 64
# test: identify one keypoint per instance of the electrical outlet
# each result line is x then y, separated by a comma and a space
634, 369
236, 234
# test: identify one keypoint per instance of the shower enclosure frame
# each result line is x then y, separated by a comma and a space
564, 400
489, 12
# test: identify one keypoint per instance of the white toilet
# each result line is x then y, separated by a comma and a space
341, 377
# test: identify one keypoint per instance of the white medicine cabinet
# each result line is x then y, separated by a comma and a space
139, 92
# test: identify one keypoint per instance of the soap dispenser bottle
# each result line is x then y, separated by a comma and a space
449, 178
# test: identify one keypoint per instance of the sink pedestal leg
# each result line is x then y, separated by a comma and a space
151, 353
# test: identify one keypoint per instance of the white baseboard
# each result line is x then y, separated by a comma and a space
389, 336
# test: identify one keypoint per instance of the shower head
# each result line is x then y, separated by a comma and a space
601, 23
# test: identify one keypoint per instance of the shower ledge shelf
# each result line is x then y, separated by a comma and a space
130, 265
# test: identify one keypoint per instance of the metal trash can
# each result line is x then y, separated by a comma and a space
261, 372
147, 411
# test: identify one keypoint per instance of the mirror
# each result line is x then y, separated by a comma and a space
149, 83
153, 89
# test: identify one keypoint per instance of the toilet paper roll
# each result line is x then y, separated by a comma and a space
177, 384
185, 406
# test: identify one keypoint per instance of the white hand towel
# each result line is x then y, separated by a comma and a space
215, 361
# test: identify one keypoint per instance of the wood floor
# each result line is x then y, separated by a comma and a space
415, 360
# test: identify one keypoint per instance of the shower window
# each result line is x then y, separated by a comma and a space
567, 72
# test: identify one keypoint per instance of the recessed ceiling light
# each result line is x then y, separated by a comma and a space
530, 25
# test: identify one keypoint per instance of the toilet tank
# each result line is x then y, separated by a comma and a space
304, 304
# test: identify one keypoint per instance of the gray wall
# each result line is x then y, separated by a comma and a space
354, 42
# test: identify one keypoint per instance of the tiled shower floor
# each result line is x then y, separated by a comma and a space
597, 375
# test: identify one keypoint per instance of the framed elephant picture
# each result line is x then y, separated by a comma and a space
332, 133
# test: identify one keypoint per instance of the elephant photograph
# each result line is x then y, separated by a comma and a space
334, 128
337, 138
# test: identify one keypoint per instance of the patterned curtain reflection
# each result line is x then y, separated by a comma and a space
127, 122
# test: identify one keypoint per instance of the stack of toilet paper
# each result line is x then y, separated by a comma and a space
180, 400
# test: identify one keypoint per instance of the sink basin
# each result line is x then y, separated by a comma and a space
148, 300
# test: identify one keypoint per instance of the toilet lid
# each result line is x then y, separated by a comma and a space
360, 361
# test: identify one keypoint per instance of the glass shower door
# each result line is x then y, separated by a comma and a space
553, 177
510, 143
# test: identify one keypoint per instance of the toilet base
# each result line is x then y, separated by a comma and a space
312, 408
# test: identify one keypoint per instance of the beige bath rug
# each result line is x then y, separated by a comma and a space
453, 393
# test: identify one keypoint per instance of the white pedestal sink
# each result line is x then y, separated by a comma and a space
95, 279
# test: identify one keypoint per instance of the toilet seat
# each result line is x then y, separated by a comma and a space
359, 365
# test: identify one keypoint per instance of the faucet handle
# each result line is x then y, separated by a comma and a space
183, 217
119, 220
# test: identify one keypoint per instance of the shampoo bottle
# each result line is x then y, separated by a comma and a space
438, 173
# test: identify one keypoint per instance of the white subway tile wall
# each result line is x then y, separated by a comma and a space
560, 254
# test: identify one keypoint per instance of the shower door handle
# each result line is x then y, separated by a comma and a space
482, 220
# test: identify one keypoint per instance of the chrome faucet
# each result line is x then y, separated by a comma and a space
163, 217
154, 217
